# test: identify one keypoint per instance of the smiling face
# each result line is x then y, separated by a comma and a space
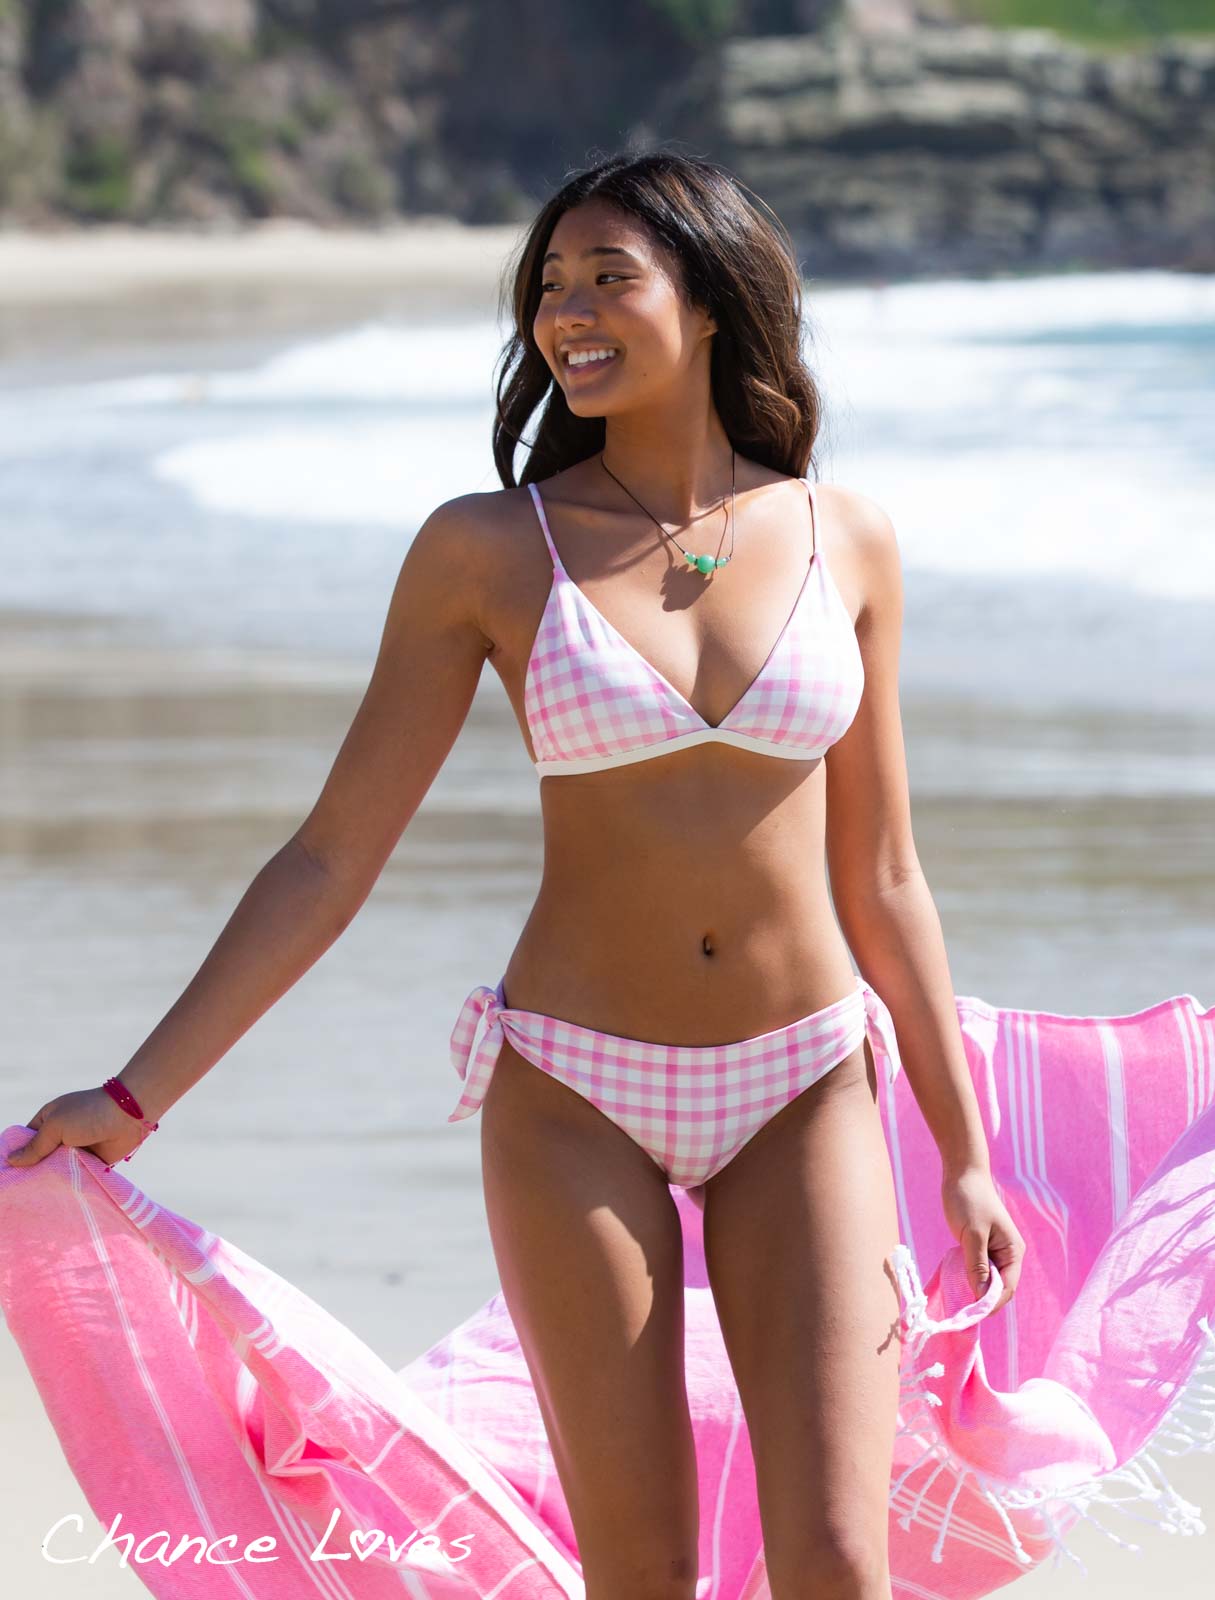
607, 284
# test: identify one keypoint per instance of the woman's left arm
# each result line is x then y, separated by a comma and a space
885, 908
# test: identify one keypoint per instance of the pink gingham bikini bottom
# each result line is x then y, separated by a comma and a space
692, 1107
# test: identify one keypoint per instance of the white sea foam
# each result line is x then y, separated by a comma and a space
1050, 429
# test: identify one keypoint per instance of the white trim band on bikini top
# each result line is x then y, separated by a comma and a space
681, 741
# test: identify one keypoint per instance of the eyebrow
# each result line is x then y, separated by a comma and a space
595, 250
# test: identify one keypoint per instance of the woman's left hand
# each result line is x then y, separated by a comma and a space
980, 1223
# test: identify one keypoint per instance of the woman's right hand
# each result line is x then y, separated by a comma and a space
87, 1118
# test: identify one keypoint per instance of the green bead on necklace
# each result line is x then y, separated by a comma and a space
702, 563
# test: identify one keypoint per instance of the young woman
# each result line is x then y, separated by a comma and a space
701, 646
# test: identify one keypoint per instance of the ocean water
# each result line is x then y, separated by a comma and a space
1045, 447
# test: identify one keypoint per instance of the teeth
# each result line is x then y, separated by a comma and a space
579, 358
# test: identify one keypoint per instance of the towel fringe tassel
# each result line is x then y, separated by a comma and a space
1188, 1426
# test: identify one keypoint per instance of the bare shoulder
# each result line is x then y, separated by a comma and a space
466, 547
471, 525
488, 514
864, 548
864, 524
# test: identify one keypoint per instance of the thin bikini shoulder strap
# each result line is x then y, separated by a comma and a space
548, 538
816, 526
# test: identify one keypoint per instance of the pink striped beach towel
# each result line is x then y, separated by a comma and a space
195, 1391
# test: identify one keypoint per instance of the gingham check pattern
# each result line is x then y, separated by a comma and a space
692, 1107
589, 695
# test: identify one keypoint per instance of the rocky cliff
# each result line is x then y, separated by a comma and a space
888, 145
973, 149
212, 111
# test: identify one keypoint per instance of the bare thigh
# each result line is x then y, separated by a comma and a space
589, 1250
797, 1229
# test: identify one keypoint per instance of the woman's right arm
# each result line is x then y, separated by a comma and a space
422, 686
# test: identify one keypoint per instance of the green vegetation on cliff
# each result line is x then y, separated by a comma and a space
1096, 21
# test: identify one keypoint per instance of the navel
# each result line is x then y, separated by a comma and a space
708, 944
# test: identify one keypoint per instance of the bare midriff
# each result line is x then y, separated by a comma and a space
683, 900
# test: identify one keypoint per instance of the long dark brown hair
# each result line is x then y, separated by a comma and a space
737, 263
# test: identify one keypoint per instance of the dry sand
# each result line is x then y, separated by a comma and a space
431, 255
128, 289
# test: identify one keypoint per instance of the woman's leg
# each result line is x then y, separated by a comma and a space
589, 1249
797, 1228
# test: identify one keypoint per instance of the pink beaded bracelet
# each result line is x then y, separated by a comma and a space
120, 1093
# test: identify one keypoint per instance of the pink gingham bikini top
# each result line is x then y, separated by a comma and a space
592, 701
